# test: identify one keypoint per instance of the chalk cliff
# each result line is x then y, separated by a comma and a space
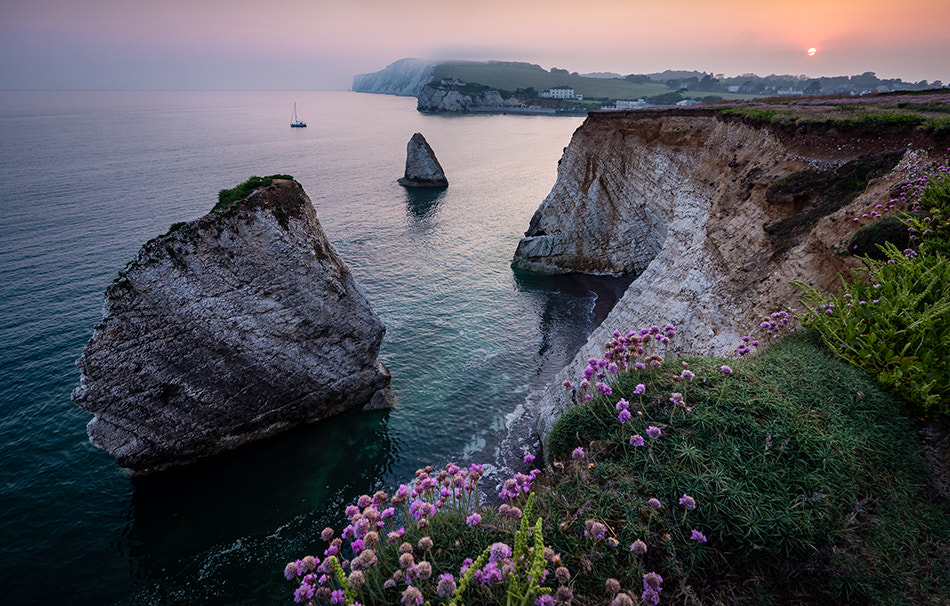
405, 77
434, 99
717, 215
422, 167
228, 329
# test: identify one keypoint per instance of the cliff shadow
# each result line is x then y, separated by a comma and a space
228, 524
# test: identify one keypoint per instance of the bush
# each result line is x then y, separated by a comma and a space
227, 197
870, 239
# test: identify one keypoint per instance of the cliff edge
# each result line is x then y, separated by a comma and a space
228, 329
716, 213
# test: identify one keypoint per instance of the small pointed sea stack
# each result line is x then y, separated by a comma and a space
422, 167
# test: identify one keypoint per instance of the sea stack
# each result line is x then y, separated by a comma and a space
228, 329
422, 167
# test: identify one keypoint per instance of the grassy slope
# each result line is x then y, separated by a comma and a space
807, 477
512, 76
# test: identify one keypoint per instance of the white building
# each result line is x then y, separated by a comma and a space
558, 92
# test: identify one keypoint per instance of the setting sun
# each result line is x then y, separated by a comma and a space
812, 51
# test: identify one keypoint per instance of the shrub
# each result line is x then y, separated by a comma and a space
870, 239
227, 197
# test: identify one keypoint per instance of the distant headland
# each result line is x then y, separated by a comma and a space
512, 87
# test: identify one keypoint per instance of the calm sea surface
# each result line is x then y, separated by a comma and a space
89, 177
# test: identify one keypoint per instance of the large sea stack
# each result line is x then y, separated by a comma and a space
422, 167
228, 329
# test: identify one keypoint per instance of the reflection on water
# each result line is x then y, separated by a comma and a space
422, 202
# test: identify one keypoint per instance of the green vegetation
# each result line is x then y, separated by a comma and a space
893, 318
886, 109
227, 197
511, 76
805, 476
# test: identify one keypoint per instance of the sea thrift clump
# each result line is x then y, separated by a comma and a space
651, 588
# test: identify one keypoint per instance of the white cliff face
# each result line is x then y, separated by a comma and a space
405, 77
686, 200
438, 99
229, 329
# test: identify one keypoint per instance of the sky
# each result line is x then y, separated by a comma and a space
319, 45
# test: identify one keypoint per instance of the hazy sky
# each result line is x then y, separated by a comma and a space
300, 44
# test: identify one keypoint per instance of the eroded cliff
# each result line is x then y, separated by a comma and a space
717, 215
228, 329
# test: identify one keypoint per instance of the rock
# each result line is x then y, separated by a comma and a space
690, 201
422, 167
436, 99
228, 329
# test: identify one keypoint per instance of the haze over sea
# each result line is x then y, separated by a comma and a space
91, 176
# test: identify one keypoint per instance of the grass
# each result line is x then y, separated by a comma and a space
807, 481
227, 197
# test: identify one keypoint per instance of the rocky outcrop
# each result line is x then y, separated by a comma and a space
716, 216
405, 77
433, 98
228, 329
422, 167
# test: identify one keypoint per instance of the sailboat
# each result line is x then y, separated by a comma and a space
295, 123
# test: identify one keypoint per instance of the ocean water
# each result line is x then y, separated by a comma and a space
88, 177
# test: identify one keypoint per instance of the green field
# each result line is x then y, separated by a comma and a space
511, 76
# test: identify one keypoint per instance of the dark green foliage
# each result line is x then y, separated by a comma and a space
805, 474
815, 194
227, 197
665, 98
868, 240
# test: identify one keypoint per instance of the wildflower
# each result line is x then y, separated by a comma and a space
624, 415
725, 370
405, 547
290, 570
411, 597
563, 595
636, 440
651, 588
698, 536
562, 574
622, 599
639, 389
578, 453
446, 585
612, 586
304, 592
473, 520
654, 432
423, 570
425, 544
529, 458
594, 529
654, 503
498, 551
688, 502
327, 534
687, 375
389, 584
676, 398
622, 404
544, 600
638, 547
356, 579
337, 597
603, 388
568, 385
406, 560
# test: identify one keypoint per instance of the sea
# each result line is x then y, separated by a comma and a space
89, 177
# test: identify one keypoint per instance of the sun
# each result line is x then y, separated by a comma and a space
812, 51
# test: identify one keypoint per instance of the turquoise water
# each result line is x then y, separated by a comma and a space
89, 177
